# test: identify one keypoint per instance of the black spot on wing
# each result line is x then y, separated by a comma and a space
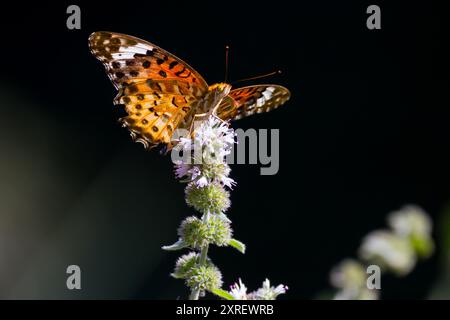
178, 73
146, 64
173, 102
173, 64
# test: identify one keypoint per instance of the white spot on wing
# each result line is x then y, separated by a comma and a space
268, 92
143, 46
134, 49
122, 55
260, 102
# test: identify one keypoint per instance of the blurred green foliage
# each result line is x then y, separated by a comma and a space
441, 290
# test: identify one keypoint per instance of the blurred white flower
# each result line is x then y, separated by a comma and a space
410, 220
350, 278
389, 251
348, 274
396, 250
353, 294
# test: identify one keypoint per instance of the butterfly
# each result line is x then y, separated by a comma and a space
161, 92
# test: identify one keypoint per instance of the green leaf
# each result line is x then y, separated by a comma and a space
223, 294
177, 276
180, 244
224, 217
441, 290
237, 245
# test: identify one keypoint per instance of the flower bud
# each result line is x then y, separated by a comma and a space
185, 264
212, 198
204, 277
198, 233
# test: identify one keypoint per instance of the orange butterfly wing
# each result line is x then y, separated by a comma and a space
243, 102
157, 88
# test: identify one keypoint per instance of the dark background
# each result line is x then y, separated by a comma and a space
365, 132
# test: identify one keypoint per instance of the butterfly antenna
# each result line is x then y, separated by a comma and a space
227, 48
259, 77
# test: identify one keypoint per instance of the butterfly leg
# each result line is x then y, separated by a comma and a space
197, 120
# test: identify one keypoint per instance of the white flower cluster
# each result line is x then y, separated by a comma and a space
350, 278
394, 250
266, 292
410, 220
398, 249
389, 251
204, 155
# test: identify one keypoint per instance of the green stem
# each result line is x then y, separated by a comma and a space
195, 293
204, 255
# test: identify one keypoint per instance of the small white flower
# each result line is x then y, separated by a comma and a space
239, 291
194, 172
227, 182
267, 292
202, 182
215, 139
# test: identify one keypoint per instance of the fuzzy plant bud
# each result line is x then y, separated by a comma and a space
204, 277
185, 264
198, 233
212, 198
